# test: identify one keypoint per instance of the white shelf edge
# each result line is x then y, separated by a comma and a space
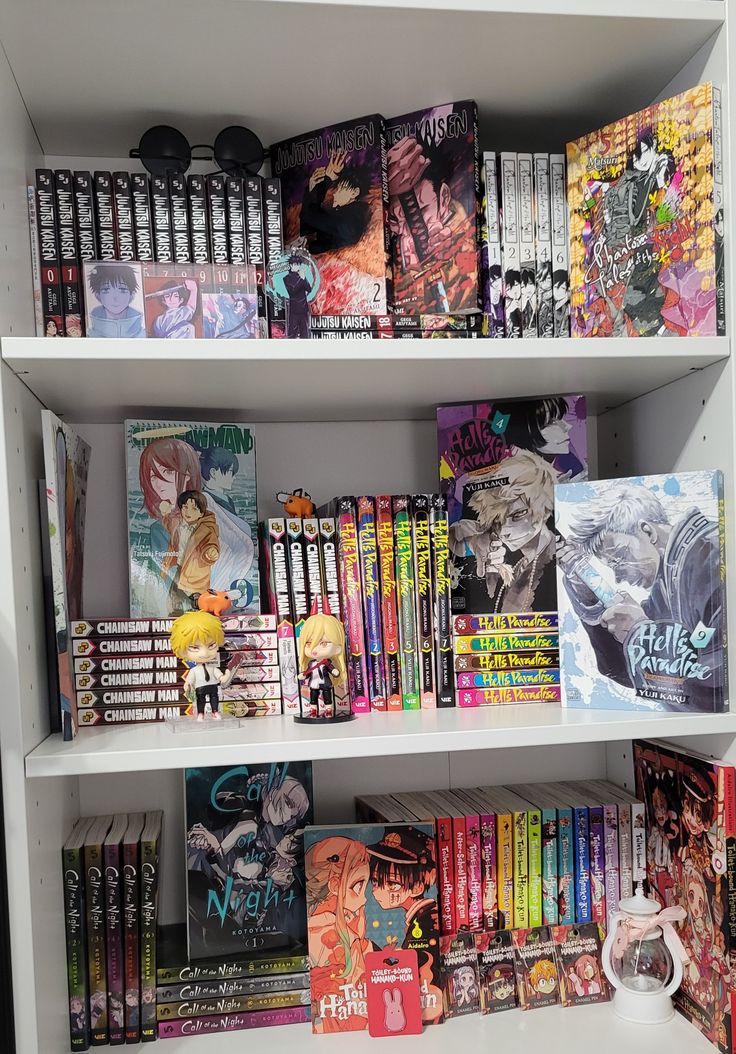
139, 748
698, 10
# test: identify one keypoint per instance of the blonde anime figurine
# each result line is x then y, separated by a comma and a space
196, 637
322, 662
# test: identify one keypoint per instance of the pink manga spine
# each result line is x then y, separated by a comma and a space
195, 1026
353, 611
488, 870
475, 880
524, 693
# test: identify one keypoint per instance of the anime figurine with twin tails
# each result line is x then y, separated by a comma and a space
322, 662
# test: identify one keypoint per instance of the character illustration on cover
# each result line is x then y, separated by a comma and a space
642, 281
178, 301
464, 987
663, 835
115, 287
391, 883
196, 541
249, 851
675, 566
501, 985
541, 980
433, 237
584, 976
229, 316
495, 285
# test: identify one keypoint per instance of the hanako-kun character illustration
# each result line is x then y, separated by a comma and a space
115, 287
322, 659
662, 838
402, 872
178, 299
511, 537
465, 986
542, 979
338, 876
195, 548
706, 974
585, 976
501, 984
698, 816
196, 637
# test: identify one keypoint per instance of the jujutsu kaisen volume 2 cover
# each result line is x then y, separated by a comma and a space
434, 191
646, 222
335, 203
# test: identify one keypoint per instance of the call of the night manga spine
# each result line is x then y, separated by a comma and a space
527, 260
75, 917
112, 854
198, 223
348, 562
180, 235
124, 222
543, 228
95, 903
423, 587
197, 1026
142, 224
560, 247
104, 198
131, 925
48, 240
439, 538
150, 854
370, 582
163, 245
228, 986
192, 1008
406, 604
389, 607
235, 219
217, 209
276, 574
71, 291
273, 236
510, 245
253, 198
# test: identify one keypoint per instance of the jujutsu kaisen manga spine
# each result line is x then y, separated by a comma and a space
71, 291
560, 244
104, 198
51, 300
388, 266
143, 226
352, 605
253, 197
439, 537
273, 235
543, 228
491, 260
371, 601
510, 245
528, 269
389, 609
163, 245
425, 613
217, 207
180, 219
404, 544
235, 219
124, 223
276, 573
84, 214
198, 226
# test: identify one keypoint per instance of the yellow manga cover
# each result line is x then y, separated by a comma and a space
645, 198
505, 865
521, 872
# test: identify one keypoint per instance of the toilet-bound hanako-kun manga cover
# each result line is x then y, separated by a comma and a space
369, 887
646, 222
690, 808
192, 515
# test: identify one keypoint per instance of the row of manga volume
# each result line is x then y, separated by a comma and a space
110, 867
527, 855
382, 565
620, 236
124, 671
227, 221
690, 802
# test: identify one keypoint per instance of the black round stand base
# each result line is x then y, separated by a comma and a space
338, 719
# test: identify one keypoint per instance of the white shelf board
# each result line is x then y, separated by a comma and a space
577, 1030
146, 747
95, 380
285, 68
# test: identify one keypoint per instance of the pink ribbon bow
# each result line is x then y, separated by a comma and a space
636, 929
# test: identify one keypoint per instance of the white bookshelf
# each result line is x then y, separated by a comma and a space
336, 416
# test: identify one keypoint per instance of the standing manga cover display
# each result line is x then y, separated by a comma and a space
690, 807
335, 207
245, 870
192, 516
113, 297
646, 222
434, 189
173, 301
66, 464
369, 887
499, 463
641, 590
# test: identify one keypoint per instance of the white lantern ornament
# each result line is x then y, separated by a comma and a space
643, 959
